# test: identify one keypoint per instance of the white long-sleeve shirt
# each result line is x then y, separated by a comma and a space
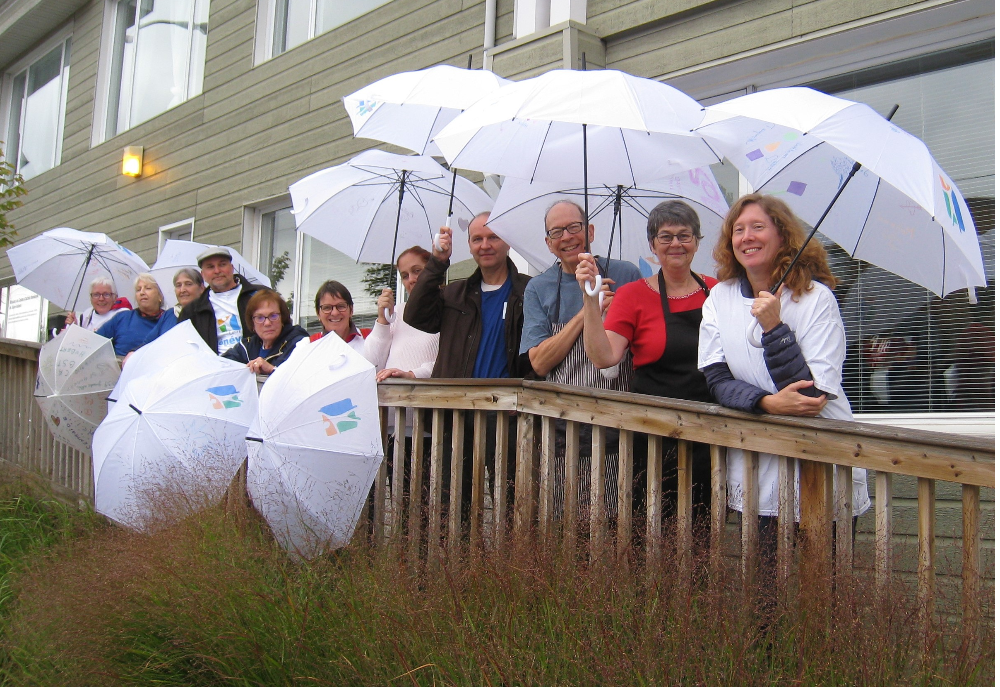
399, 345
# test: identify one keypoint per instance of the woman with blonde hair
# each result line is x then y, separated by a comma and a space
798, 370
128, 330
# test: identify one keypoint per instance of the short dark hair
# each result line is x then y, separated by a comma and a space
334, 289
262, 297
672, 212
421, 253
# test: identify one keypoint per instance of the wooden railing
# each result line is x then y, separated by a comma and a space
427, 516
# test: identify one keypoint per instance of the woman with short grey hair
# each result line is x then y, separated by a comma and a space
188, 286
104, 305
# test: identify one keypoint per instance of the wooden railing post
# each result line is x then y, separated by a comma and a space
478, 478
883, 531
786, 521
546, 478
844, 512
971, 559
571, 487
436, 487
654, 499
416, 484
750, 532
925, 550
719, 506
625, 460
524, 487
500, 480
378, 492
455, 485
816, 530
598, 511
398, 471
685, 484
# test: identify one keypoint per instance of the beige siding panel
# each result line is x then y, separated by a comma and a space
505, 21
608, 17
223, 12
814, 15
531, 59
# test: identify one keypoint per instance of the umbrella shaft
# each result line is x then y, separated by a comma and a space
83, 276
399, 211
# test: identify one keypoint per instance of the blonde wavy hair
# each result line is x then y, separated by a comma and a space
812, 265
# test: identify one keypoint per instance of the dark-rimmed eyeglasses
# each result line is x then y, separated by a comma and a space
554, 234
260, 318
329, 308
102, 295
668, 238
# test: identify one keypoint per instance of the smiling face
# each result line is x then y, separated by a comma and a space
267, 322
218, 273
335, 315
674, 255
102, 298
568, 246
148, 297
186, 289
410, 266
487, 249
756, 240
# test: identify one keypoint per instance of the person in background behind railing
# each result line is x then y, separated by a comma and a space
335, 308
105, 305
798, 371
128, 330
396, 348
658, 319
188, 286
274, 335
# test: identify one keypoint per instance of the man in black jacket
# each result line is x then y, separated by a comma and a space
479, 318
219, 313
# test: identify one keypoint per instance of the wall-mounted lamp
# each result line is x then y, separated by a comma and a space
132, 161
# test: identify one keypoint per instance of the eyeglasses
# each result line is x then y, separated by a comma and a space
668, 238
102, 295
273, 318
328, 308
554, 234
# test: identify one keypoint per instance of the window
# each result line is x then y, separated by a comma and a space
157, 58
298, 264
23, 314
37, 109
288, 23
181, 231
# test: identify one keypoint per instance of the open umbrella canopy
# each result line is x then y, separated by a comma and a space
174, 440
316, 447
177, 255
901, 211
407, 109
378, 204
638, 130
60, 263
76, 371
519, 214
180, 340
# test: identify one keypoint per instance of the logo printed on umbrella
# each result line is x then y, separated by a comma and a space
366, 106
225, 396
951, 204
342, 410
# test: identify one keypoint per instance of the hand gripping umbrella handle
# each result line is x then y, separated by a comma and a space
389, 317
437, 236
752, 334
594, 290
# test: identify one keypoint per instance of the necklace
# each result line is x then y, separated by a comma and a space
684, 296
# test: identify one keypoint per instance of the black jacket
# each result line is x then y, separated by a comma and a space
202, 315
454, 311
250, 347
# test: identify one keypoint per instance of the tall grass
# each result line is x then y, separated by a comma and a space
213, 601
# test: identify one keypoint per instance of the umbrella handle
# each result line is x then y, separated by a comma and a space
437, 236
752, 334
594, 290
389, 318
338, 362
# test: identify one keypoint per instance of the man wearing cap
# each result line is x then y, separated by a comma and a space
219, 313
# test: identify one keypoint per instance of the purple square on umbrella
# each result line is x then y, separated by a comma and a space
797, 188
754, 155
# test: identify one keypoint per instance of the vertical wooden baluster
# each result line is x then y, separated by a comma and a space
816, 528
883, 530
719, 505
971, 559
598, 493
625, 460
524, 502
378, 492
500, 478
455, 485
546, 478
786, 519
416, 484
571, 488
398, 470
844, 512
654, 499
685, 484
436, 487
925, 550
478, 478
751, 465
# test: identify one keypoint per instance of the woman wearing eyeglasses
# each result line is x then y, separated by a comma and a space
335, 308
274, 336
658, 319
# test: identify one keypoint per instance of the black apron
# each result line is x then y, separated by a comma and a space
676, 374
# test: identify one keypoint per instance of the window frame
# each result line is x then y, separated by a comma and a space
163, 233
253, 219
60, 37
267, 15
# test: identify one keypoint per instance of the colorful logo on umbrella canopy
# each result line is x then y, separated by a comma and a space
366, 106
951, 204
226, 396
339, 417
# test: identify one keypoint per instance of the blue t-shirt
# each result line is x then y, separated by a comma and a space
128, 330
491, 360
167, 321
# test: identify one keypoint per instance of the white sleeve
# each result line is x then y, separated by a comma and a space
426, 369
710, 349
823, 342
378, 342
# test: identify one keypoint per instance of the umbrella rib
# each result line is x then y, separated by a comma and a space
628, 158
540, 149
871, 204
427, 139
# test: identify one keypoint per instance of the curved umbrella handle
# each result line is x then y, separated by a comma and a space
305, 205
437, 237
338, 362
389, 317
594, 290
752, 334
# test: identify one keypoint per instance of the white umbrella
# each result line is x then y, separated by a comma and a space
180, 340
76, 370
407, 109
619, 215
59, 263
174, 441
316, 446
900, 211
177, 255
378, 204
